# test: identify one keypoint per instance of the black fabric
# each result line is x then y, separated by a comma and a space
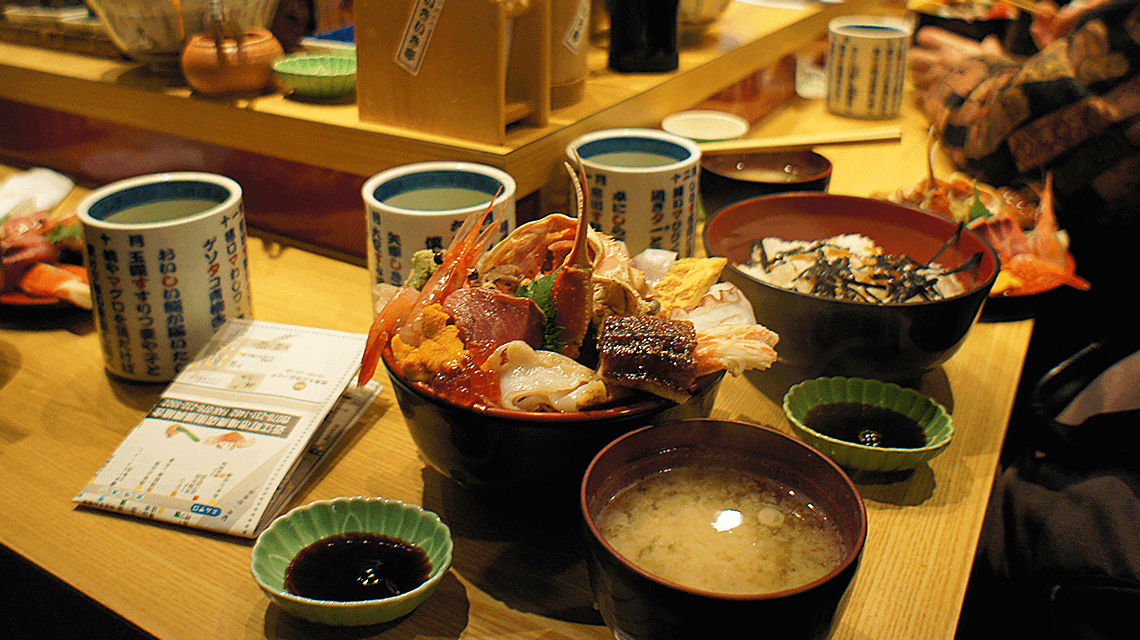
1059, 555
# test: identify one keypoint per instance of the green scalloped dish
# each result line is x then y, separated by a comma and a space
317, 75
928, 413
280, 543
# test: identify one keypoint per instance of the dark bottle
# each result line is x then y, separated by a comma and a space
643, 35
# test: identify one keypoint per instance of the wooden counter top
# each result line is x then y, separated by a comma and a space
516, 573
333, 136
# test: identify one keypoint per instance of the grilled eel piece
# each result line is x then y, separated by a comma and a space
649, 353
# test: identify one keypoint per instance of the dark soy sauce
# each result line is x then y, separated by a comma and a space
867, 425
350, 567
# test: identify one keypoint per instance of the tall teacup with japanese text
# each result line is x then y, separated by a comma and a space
866, 65
166, 256
417, 208
641, 187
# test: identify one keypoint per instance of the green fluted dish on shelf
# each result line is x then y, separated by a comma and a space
317, 75
928, 413
286, 536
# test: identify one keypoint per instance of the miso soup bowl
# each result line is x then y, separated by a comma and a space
730, 178
639, 605
822, 336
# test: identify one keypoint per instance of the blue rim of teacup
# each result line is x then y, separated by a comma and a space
681, 150
869, 26
425, 175
148, 189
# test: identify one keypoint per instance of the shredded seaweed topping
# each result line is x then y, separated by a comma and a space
884, 279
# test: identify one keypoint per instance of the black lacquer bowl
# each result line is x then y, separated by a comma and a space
507, 453
823, 336
638, 605
730, 178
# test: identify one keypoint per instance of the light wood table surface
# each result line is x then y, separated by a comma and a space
517, 573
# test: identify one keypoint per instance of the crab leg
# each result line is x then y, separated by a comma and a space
572, 290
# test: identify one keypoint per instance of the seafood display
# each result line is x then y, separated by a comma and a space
1022, 228
40, 256
560, 317
850, 267
969, 10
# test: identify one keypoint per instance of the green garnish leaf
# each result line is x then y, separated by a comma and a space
68, 235
541, 291
978, 209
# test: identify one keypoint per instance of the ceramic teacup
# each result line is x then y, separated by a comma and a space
641, 187
166, 256
420, 206
866, 65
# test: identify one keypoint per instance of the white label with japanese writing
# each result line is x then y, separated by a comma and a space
417, 34
578, 27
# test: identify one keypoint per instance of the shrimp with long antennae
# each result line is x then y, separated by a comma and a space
572, 290
400, 315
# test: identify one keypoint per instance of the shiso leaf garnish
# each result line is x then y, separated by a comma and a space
541, 291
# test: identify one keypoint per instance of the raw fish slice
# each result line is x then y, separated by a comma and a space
655, 263
489, 318
532, 380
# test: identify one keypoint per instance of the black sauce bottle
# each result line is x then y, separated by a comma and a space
643, 35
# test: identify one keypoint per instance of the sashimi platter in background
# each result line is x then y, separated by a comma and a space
40, 248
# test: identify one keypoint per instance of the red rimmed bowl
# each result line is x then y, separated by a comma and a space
640, 605
510, 453
823, 336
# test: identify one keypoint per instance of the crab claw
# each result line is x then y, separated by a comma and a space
572, 289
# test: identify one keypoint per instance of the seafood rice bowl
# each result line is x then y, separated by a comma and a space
515, 364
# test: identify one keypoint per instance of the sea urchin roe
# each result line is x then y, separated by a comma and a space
351, 567
848, 267
721, 529
866, 424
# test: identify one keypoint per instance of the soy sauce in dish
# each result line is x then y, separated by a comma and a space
867, 425
350, 567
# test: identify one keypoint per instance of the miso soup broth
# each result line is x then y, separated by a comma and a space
707, 525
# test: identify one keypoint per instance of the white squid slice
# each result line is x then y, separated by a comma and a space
532, 380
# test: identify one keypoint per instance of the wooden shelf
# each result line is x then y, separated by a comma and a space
333, 136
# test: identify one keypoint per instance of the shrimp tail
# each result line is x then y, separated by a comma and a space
55, 281
394, 313
402, 311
